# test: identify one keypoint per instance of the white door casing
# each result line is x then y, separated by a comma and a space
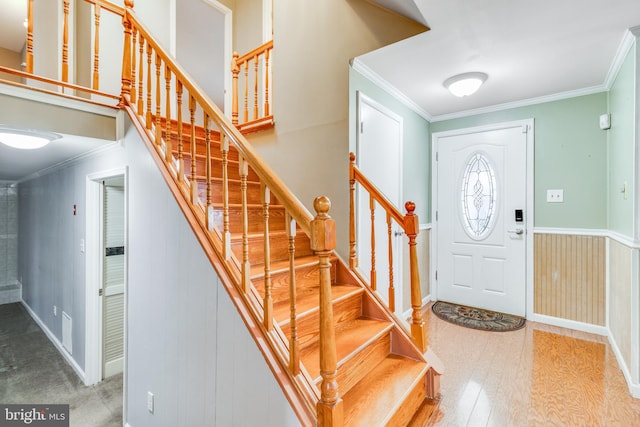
94, 275
379, 157
480, 180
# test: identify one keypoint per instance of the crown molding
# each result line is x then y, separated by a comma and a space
629, 39
375, 78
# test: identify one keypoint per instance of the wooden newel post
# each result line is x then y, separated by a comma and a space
323, 242
125, 95
418, 328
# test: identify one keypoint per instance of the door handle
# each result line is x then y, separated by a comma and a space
518, 231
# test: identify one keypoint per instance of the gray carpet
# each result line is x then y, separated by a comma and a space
32, 371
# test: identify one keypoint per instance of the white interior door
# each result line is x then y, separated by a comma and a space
480, 212
379, 154
113, 277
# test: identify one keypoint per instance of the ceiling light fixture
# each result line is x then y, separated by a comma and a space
25, 139
465, 84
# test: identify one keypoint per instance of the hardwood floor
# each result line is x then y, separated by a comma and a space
540, 375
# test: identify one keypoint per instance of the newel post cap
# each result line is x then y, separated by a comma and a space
411, 222
323, 227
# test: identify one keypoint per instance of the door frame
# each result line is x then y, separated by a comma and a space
398, 268
529, 125
94, 273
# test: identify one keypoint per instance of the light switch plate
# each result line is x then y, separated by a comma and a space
555, 196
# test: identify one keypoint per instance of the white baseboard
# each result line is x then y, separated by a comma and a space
634, 388
425, 301
55, 341
569, 324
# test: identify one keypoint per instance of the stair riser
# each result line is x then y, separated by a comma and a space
201, 147
255, 219
411, 404
279, 248
354, 369
235, 194
307, 326
307, 276
216, 168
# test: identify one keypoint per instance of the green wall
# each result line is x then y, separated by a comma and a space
570, 154
416, 148
620, 146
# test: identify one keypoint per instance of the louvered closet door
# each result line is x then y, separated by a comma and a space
113, 286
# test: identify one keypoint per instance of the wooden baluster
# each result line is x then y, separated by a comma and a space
267, 107
353, 255
268, 301
179, 117
246, 92
134, 41
30, 36
126, 58
392, 291
96, 47
158, 95
207, 168
323, 242
148, 118
226, 232
418, 328
255, 88
194, 161
372, 207
235, 70
246, 266
294, 355
140, 106
168, 153
65, 42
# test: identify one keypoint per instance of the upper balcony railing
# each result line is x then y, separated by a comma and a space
252, 74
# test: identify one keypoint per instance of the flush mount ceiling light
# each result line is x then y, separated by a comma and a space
25, 139
465, 84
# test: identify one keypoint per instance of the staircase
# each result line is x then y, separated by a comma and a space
338, 353
383, 378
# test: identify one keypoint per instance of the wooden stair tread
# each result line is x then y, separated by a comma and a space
308, 301
374, 399
351, 337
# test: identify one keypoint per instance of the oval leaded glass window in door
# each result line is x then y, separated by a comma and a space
478, 197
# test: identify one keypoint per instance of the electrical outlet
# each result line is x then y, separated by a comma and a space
55, 310
150, 401
555, 196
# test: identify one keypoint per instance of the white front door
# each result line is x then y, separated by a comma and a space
481, 209
379, 154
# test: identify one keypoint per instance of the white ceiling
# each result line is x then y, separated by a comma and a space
529, 49
18, 164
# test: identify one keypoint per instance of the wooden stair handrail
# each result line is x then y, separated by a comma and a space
410, 226
296, 209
